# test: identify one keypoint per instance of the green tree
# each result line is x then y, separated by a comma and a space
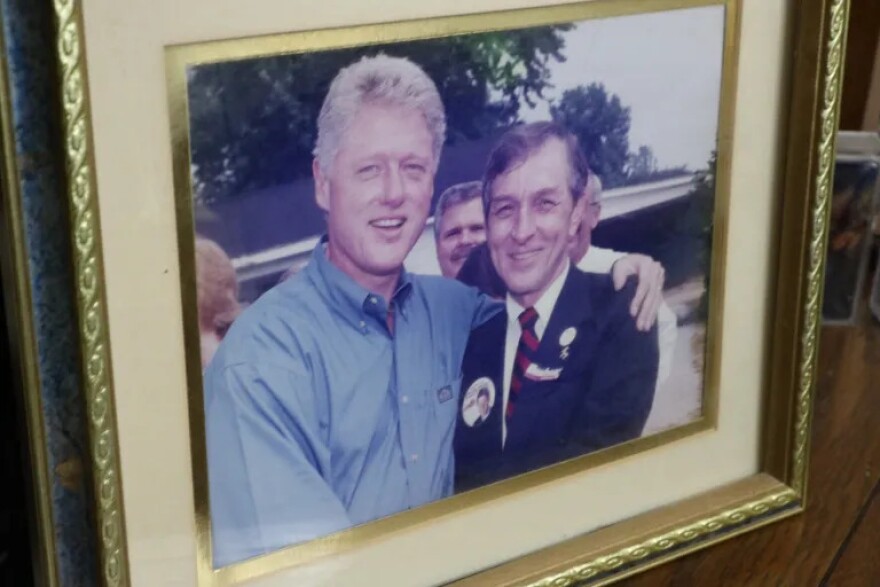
253, 121
693, 232
601, 123
642, 167
642, 163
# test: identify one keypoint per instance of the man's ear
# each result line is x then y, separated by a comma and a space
594, 210
322, 186
577, 216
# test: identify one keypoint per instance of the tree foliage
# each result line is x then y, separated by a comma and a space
641, 163
601, 124
253, 121
642, 167
696, 226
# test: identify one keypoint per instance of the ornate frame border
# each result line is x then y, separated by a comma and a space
817, 73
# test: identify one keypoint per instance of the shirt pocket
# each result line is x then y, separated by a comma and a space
440, 402
442, 399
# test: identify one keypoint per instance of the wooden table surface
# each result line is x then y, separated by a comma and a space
836, 542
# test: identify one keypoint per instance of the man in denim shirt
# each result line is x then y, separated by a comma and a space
332, 400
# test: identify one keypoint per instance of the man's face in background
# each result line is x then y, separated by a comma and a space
462, 227
581, 241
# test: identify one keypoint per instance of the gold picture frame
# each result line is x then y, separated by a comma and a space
181, 59
814, 49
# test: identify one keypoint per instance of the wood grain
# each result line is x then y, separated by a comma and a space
844, 469
859, 563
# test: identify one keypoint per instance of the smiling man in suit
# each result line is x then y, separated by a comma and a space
572, 371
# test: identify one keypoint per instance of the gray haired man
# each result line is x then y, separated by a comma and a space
332, 400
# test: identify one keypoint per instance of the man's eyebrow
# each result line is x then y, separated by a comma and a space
504, 198
547, 191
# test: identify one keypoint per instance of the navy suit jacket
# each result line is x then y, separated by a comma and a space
602, 396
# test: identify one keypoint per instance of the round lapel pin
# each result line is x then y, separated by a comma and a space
478, 401
568, 335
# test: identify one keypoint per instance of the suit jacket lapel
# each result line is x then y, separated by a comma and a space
540, 431
572, 309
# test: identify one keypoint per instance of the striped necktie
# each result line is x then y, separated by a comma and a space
525, 354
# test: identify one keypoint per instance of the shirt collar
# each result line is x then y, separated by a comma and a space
347, 296
544, 306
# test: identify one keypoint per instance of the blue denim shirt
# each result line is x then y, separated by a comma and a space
318, 417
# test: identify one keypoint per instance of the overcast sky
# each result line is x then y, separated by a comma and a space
666, 66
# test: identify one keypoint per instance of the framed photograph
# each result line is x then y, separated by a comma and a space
354, 287
599, 368
855, 202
